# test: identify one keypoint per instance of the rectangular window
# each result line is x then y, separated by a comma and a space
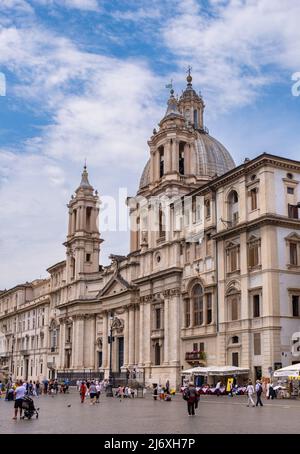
253, 194
295, 305
208, 245
201, 347
253, 255
235, 359
198, 312
256, 306
195, 347
187, 313
234, 309
88, 257
293, 254
233, 260
257, 344
157, 358
157, 318
207, 208
293, 211
88, 218
209, 308
290, 190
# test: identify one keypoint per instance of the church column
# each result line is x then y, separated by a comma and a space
81, 210
62, 337
187, 159
131, 335
147, 334
166, 330
80, 342
141, 326
104, 340
175, 155
168, 157
92, 340
126, 338
174, 335
136, 334
70, 223
74, 347
152, 164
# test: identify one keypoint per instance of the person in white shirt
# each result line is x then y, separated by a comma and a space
218, 388
98, 389
20, 393
250, 392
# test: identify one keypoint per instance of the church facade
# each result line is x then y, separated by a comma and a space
212, 276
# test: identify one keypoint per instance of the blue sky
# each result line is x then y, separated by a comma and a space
86, 79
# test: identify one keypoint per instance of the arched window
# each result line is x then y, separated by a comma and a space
161, 161
233, 208
195, 119
197, 297
181, 158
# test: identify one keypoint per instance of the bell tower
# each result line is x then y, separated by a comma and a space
83, 240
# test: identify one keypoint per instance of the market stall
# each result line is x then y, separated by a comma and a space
288, 381
210, 375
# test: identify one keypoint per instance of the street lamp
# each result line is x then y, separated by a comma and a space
113, 322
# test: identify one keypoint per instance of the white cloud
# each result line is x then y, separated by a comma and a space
101, 108
85, 5
233, 46
139, 14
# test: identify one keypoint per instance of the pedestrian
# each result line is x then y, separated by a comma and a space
258, 389
272, 393
93, 393
98, 392
167, 387
218, 388
155, 392
20, 393
82, 391
190, 395
250, 392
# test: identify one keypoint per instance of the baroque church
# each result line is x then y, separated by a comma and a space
212, 276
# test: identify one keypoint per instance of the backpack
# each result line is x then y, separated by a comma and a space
186, 394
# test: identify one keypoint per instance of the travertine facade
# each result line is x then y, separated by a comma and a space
212, 276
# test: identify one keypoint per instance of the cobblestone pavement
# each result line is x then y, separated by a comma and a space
65, 414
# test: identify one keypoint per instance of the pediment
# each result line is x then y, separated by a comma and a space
116, 285
293, 237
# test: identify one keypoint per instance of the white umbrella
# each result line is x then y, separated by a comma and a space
289, 371
217, 370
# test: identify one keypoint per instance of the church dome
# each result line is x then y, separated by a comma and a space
212, 159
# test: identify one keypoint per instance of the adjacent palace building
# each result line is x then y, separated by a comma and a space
212, 277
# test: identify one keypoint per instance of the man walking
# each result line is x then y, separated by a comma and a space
258, 389
250, 392
190, 395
